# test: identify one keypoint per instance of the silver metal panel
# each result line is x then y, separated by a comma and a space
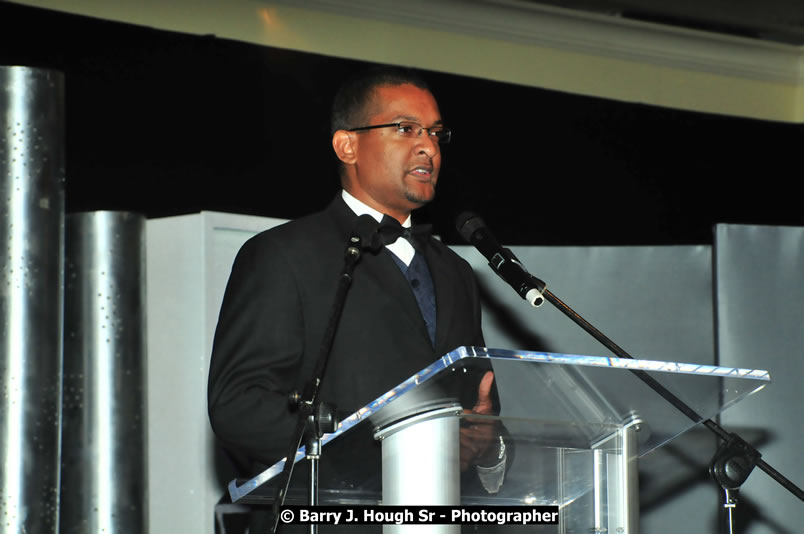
104, 442
760, 292
653, 301
31, 258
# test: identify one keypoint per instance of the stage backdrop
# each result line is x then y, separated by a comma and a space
655, 302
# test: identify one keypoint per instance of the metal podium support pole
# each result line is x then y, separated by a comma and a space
616, 481
630, 459
421, 465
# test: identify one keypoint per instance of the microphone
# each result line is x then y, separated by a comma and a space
364, 236
501, 260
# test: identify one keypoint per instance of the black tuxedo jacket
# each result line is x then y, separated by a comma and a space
276, 307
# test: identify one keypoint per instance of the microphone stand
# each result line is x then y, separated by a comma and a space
733, 461
316, 419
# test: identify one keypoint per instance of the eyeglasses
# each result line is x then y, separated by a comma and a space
410, 130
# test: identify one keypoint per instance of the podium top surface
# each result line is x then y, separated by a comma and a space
561, 400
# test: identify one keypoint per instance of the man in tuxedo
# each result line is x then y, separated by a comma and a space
409, 303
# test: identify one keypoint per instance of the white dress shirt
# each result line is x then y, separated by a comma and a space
401, 247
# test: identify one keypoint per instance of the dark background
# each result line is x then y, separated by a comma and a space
163, 123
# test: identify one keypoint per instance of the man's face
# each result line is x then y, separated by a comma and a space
392, 173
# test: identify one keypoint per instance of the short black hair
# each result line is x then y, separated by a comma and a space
351, 100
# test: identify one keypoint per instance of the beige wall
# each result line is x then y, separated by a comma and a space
622, 61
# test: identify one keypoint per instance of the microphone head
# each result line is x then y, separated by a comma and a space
467, 223
366, 228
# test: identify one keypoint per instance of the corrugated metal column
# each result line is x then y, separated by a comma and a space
104, 441
31, 297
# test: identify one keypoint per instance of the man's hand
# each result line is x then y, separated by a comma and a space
480, 437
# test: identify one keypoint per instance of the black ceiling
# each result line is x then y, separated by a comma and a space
162, 123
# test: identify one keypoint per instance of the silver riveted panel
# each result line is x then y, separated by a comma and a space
31, 266
103, 486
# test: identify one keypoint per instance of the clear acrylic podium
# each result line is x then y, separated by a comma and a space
574, 427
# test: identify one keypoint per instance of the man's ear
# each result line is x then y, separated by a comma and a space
344, 143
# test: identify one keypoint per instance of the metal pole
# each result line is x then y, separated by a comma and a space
421, 465
104, 467
630, 476
313, 455
31, 297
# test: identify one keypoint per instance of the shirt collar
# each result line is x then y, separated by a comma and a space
361, 208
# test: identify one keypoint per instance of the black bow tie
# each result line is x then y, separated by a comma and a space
390, 230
